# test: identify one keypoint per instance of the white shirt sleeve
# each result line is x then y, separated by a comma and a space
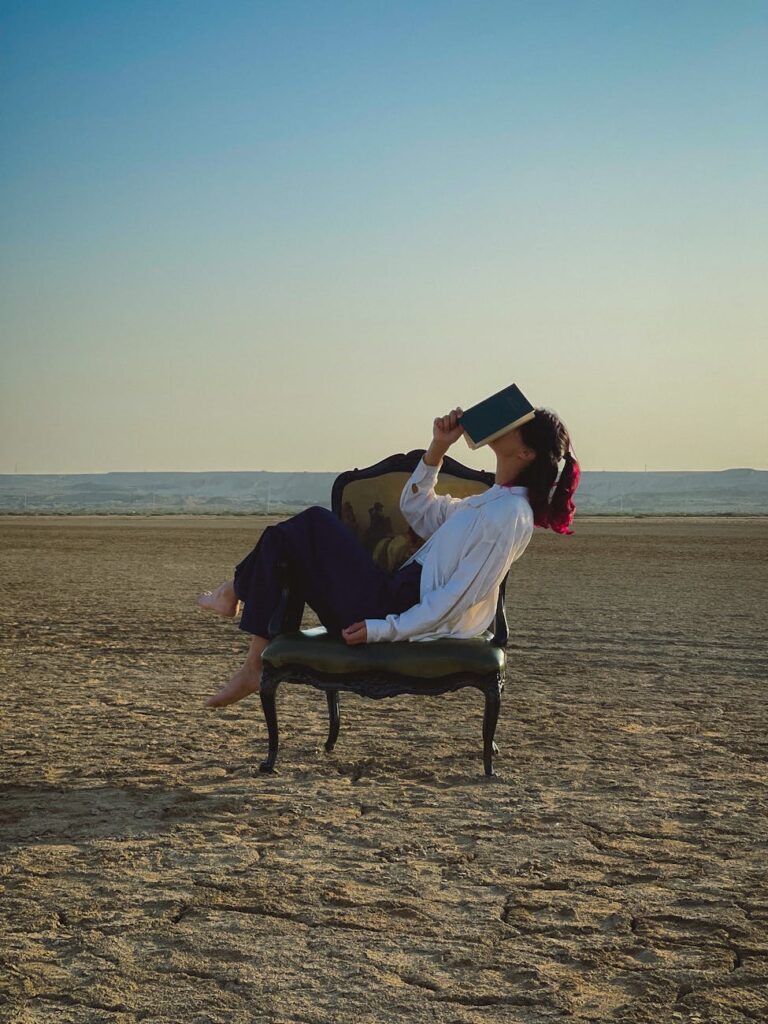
479, 572
424, 510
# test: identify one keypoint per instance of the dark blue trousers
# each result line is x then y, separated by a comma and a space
328, 567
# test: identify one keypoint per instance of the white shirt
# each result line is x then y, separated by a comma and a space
470, 545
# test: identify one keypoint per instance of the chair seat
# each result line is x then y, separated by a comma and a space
315, 649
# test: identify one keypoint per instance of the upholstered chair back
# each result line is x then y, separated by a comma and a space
368, 502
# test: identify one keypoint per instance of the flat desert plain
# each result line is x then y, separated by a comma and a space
614, 871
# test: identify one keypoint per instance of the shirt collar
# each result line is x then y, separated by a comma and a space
494, 492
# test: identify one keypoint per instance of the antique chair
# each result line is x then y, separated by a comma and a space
367, 500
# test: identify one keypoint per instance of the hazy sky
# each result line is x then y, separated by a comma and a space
285, 235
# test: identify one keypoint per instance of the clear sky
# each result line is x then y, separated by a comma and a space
285, 235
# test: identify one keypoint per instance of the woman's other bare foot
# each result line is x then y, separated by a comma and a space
223, 600
245, 681
242, 684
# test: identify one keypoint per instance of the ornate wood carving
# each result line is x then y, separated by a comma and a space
376, 685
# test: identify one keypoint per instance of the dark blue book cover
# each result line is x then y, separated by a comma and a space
496, 415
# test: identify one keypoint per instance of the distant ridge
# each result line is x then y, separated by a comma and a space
730, 491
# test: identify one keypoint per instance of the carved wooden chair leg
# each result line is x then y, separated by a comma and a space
490, 718
333, 719
267, 694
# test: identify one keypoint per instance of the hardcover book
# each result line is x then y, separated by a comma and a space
495, 416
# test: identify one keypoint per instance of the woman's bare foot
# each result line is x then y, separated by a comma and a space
223, 600
242, 684
245, 681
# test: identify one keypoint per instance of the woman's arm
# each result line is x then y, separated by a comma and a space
424, 510
471, 582
445, 430
468, 585
482, 568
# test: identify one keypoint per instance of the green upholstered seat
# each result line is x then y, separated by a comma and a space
429, 659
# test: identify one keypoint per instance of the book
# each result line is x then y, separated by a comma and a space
495, 416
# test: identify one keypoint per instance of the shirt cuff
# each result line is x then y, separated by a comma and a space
378, 630
424, 473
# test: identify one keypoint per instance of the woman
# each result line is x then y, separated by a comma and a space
447, 588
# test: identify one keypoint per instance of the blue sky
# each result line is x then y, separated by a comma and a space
287, 235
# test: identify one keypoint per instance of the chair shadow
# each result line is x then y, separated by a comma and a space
51, 813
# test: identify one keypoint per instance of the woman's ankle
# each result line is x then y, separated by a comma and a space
257, 647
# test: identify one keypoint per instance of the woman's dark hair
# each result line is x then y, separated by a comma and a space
552, 503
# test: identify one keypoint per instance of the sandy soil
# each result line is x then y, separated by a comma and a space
615, 871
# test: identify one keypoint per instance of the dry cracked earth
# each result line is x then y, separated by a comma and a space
614, 871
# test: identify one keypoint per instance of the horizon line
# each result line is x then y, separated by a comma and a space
190, 472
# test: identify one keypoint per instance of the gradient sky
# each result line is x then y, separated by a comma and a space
285, 235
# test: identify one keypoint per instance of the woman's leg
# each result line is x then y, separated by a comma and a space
225, 601
257, 583
328, 567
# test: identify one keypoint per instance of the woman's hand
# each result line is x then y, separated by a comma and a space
447, 429
357, 633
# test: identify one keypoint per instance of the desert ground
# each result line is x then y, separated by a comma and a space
615, 870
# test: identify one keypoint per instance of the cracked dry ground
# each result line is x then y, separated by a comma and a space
614, 872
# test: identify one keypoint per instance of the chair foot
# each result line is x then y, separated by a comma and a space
333, 719
490, 718
267, 695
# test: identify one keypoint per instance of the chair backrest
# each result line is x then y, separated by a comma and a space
368, 502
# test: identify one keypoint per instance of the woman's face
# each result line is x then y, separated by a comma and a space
512, 443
